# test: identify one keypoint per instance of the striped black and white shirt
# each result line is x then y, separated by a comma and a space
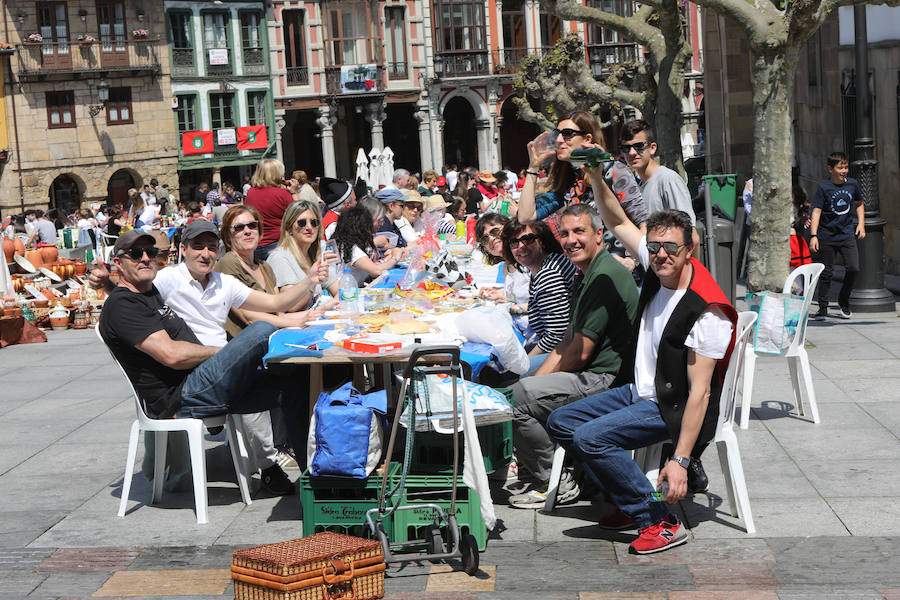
550, 297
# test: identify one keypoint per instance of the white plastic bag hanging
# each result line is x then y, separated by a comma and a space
493, 325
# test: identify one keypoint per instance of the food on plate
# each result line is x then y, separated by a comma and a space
407, 327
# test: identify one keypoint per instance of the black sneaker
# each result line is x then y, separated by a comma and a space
845, 312
276, 481
821, 314
697, 481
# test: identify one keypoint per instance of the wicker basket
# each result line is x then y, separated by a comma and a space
324, 566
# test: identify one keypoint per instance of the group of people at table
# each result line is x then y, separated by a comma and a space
614, 367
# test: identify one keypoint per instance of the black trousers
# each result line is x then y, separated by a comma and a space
827, 251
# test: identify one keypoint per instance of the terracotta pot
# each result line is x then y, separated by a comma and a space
34, 257
38, 303
80, 267
19, 247
49, 253
9, 249
59, 323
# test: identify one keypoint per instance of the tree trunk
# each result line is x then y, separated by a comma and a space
773, 96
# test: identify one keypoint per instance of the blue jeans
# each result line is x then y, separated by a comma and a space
232, 380
601, 430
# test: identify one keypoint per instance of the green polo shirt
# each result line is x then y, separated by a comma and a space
605, 311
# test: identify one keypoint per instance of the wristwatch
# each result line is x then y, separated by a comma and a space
681, 460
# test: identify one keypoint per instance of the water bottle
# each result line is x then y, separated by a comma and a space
348, 294
589, 157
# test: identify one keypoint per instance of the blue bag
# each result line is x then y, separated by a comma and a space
346, 434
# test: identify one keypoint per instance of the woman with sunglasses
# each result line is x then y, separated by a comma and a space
568, 184
489, 234
356, 245
554, 279
298, 249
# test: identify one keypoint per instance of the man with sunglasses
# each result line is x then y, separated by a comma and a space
167, 329
661, 187
670, 380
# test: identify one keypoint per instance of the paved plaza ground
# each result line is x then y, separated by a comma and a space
824, 498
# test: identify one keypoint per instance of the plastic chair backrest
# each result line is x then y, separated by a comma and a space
808, 276
142, 416
746, 320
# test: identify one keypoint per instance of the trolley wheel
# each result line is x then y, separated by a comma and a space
468, 547
435, 540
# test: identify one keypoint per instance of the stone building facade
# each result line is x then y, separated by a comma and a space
88, 104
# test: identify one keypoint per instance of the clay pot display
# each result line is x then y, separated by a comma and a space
34, 257
19, 247
49, 254
80, 267
9, 249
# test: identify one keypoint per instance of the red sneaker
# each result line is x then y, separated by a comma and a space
666, 534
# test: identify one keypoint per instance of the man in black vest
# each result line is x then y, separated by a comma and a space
670, 380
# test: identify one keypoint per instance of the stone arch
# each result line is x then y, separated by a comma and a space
119, 181
478, 104
66, 192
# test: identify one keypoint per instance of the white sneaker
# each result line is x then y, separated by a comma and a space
567, 493
285, 460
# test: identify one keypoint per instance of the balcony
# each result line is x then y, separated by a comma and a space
183, 62
602, 56
254, 61
298, 75
396, 70
362, 80
508, 60
51, 58
462, 64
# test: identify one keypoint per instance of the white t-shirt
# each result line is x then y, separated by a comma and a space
710, 335
408, 232
205, 310
150, 215
356, 254
289, 272
451, 177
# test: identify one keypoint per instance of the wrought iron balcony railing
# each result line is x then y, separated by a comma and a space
461, 64
298, 75
601, 57
396, 70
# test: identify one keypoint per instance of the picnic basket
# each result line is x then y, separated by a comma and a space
323, 566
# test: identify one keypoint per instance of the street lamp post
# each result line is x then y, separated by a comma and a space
869, 294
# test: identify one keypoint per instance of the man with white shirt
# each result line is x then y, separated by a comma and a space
675, 367
399, 180
195, 372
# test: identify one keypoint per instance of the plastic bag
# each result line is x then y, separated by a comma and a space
778, 317
434, 403
493, 325
346, 434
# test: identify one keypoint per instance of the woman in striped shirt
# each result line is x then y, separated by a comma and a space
553, 280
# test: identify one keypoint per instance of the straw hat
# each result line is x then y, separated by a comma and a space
486, 176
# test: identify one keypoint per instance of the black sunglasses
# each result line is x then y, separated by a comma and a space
138, 253
671, 248
492, 233
568, 133
638, 147
525, 240
301, 223
241, 226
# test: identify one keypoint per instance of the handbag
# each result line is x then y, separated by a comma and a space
346, 434
778, 317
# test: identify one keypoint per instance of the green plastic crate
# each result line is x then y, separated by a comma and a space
409, 524
433, 452
340, 504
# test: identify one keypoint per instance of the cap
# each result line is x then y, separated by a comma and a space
486, 176
334, 192
412, 196
388, 195
441, 181
129, 239
435, 202
197, 227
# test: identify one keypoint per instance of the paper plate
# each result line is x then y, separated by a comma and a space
53, 276
24, 263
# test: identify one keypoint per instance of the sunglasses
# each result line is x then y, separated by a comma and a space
671, 248
525, 240
638, 147
417, 207
138, 253
301, 223
493, 233
241, 226
568, 133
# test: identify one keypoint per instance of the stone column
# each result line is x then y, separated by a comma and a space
531, 26
326, 122
279, 126
493, 99
217, 174
485, 144
375, 115
423, 116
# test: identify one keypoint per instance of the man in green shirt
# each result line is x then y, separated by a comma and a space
584, 363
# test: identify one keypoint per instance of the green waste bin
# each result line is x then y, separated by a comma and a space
722, 192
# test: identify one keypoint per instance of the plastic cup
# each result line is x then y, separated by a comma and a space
545, 142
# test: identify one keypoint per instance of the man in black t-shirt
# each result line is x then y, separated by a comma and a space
161, 355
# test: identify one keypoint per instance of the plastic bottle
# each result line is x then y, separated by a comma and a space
461, 230
348, 294
589, 157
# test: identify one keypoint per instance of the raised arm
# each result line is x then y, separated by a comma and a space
527, 209
613, 216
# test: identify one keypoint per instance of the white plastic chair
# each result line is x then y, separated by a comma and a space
726, 442
194, 429
107, 242
798, 359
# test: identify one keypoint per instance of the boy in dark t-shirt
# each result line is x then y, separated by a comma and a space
834, 230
